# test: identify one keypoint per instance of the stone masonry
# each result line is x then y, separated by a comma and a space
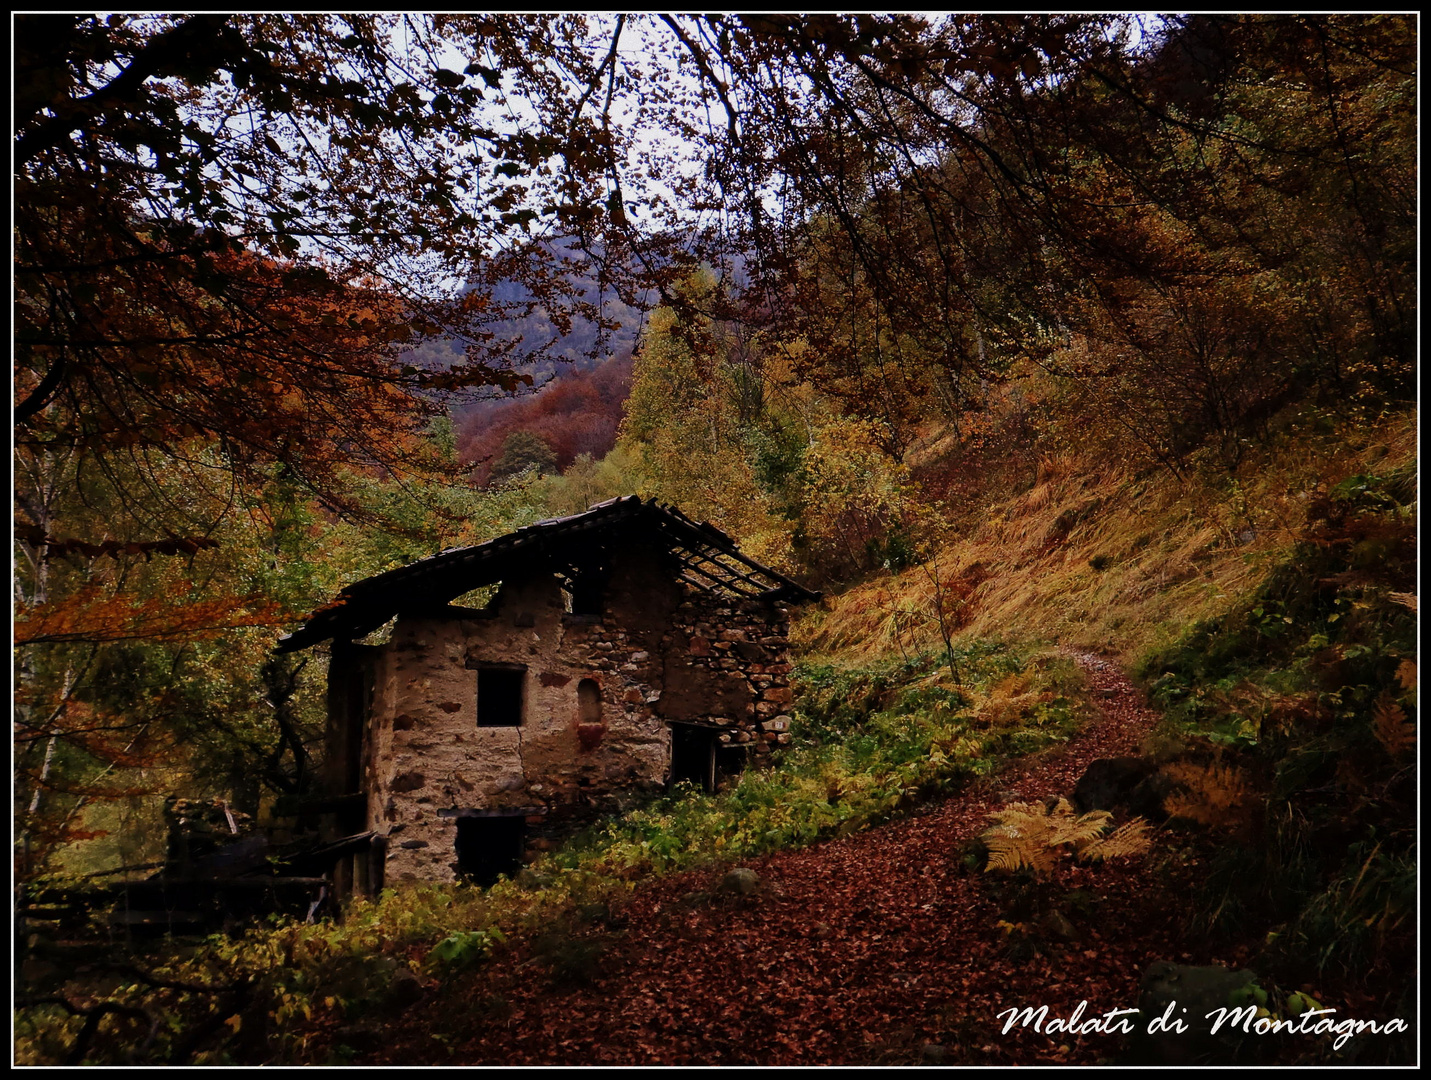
659, 652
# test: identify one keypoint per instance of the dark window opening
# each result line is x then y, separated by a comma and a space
585, 593
489, 847
499, 696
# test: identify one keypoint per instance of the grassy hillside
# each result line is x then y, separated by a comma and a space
1271, 613
1096, 555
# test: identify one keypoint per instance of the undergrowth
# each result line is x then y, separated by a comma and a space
869, 743
1310, 685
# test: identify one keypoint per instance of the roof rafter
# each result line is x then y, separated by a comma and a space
707, 557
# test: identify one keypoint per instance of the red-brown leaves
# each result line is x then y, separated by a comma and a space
91, 615
574, 414
860, 950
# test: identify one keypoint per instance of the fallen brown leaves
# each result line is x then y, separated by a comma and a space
858, 951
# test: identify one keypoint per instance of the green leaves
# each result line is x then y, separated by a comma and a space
464, 948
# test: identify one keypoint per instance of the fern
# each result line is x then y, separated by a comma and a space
1029, 835
1010, 700
1216, 795
1129, 839
1393, 730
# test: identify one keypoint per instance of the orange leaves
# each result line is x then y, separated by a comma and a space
1395, 732
118, 741
90, 616
1215, 795
1035, 836
153, 345
1406, 674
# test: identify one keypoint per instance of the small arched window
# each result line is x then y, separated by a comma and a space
588, 702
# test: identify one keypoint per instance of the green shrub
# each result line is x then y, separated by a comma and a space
869, 743
464, 948
1313, 679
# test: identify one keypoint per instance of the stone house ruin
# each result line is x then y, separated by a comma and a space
623, 649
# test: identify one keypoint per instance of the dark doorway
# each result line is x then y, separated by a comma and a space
488, 847
729, 764
350, 690
693, 756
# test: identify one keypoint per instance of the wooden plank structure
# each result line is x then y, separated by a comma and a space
218, 868
706, 558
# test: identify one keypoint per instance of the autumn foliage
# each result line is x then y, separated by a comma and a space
995, 325
576, 413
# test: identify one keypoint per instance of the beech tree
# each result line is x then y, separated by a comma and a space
228, 227
1196, 219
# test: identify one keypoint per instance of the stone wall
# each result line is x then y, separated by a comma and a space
727, 665
659, 652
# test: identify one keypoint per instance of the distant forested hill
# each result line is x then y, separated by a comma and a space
575, 413
543, 350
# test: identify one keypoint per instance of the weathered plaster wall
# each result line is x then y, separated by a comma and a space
659, 652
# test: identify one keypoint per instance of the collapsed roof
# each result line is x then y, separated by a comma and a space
705, 557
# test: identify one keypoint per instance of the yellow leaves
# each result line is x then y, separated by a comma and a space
847, 468
1389, 723
1036, 837
1128, 839
291, 1006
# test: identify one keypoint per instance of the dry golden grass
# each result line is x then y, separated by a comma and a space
1095, 556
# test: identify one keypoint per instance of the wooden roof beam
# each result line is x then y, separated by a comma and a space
731, 585
763, 586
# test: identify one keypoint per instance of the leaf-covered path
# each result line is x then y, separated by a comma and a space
860, 950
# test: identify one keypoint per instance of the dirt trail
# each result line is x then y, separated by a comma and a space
859, 950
